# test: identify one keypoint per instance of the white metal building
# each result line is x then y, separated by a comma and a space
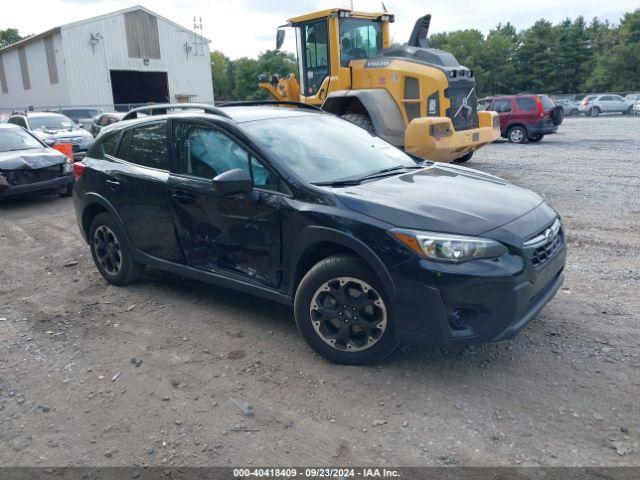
131, 56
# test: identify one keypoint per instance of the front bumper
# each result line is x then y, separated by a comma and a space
478, 302
434, 138
47, 185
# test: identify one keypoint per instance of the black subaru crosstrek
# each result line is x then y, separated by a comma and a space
370, 246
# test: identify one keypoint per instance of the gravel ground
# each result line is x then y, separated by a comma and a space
153, 374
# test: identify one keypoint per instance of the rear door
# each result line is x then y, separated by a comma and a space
237, 235
606, 103
528, 110
135, 183
504, 109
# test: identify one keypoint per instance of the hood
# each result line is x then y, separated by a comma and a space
441, 198
78, 133
31, 159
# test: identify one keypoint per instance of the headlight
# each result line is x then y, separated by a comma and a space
442, 247
67, 167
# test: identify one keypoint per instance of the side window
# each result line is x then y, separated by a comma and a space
502, 106
315, 43
606, 98
110, 143
125, 146
206, 152
149, 146
526, 104
359, 38
263, 178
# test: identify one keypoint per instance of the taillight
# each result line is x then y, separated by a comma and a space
540, 108
78, 169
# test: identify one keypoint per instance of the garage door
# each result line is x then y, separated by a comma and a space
139, 87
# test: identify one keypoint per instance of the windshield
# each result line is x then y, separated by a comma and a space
359, 38
323, 148
12, 139
50, 122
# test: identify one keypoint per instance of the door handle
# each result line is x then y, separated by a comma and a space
183, 197
113, 184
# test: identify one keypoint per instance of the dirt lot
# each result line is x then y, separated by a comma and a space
566, 391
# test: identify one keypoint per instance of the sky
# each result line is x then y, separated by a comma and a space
247, 27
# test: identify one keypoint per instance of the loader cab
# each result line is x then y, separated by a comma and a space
327, 42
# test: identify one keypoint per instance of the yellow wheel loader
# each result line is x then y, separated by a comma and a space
417, 98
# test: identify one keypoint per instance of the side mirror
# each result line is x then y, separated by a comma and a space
232, 181
280, 38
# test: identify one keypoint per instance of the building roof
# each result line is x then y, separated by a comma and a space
51, 31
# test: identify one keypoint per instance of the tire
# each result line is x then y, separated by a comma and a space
594, 111
67, 192
105, 254
337, 335
464, 158
557, 115
359, 119
536, 138
517, 134
574, 112
629, 111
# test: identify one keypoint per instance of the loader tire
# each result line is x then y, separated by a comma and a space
360, 119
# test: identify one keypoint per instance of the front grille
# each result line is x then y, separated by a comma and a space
463, 111
545, 244
26, 177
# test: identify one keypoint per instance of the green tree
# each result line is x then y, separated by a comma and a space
221, 75
616, 56
9, 36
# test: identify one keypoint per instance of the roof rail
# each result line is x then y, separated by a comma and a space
255, 103
162, 108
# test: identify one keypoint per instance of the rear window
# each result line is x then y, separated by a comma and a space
547, 102
527, 104
149, 146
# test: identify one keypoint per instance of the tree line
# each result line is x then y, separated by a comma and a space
572, 56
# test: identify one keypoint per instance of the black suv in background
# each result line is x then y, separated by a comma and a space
371, 246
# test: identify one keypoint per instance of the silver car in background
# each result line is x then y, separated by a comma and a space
594, 105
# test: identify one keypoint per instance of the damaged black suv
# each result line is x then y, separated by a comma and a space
370, 246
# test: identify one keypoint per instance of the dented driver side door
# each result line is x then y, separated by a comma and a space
237, 235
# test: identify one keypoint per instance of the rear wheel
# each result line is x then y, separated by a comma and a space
464, 158
536, 138
594, 111
343, 312
111, 252
574, 112
517, 134
360, 119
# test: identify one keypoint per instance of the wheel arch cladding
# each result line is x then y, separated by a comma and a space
317, 243
94, 206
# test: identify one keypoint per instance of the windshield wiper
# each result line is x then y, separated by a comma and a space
385, 172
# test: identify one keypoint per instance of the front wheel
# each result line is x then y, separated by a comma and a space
464, 158
359, 119
517, 135
111, 252
343, 313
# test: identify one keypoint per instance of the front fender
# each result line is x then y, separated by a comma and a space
313, 236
